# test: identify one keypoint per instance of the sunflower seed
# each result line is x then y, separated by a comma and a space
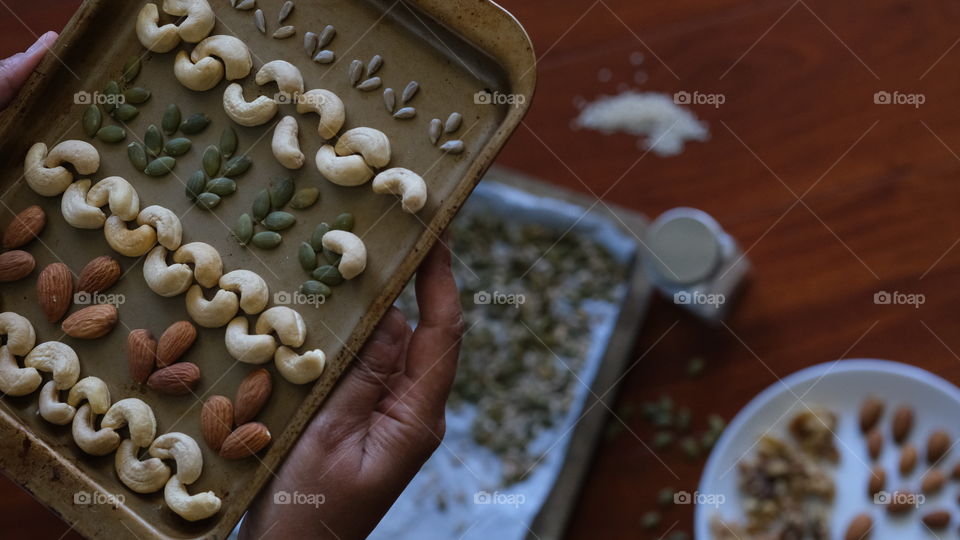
405, 113
160, 166
316, 239
281, 193
307, 256
236, 166
325, 57
138, 155
452, 147
125, 112
112, 89
285, 11
326, 36
304, 198
153, 141
356, 71
222, 186
315, 288
211, 161
195, 185
260, 21
111, 134
436, 127
92, 120
369, 85
243, 231
171, 119
136, 95
266, 239
409, 92
453, 122
344, 222
246, 5
390, 100
279, 221
284, 32
374, 65
195, 123
310, 43
131, 69
208, 200
261, 205
177, 147
328, 274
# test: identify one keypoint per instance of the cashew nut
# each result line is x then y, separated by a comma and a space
190, 507
182, 449
254, 113
137, 416
166, 280
15, 380
211, 313
287, 323
76, 211
165, 222
354, 259
232, 51
122, 198
405, 183
199, 20
246, 347
252, 289
20, 334
208, 267
81, 154
96, 442
372, 144
286, 146
200, 76
44, 181
156, 38
328, 106
94, 391
287, 76
342, 170
51, 408
56, 358
300, 368
144, 476
129, 242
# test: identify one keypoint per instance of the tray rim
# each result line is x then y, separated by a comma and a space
488, 27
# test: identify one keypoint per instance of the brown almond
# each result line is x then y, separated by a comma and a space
874, 443
15, 265
176, 380
938, 519
955, 473
175, 341
870, 412
55, 291
878, 480
245, 441
901, 502
91, 322
859, 528
216, 421
902, 423
908, 459
938, 444
933, 482
25, 227
141, 355
252, 395
99, 275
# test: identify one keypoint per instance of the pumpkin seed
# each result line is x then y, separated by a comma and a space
281, 192
279, 221
171, 119
136, 95
196, 184
409, 91
112, 90
266, 240
436, 128
92, 119
236, 166
208, 200
222, 186
328, 274
195, 123
332, 257
246, 5
326, 36
153, 141
316, 239
285, 11
405, 113
452, 147
284, 32
310, 43
344, 222
356, 71
374, 65
125, 112
453, 122
259, 21
370, 84
305, 198
228, 142
261, 205
211, 161
138, 155
177, 147
315, 288
111, 134
325, 57
243, 231
131, 69
160, 166
390, 100
307, 256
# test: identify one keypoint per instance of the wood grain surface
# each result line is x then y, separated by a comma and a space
833, 196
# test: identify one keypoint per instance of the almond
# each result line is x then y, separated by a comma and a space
99, 275
176, 380
938, 519
938, 444
141, 355
933, 482
908, 459
25, 227
252, 395
245, 441
870, 413
874, 443
175, 341
55, 290
878, 479
15, 265
859, 528
216, 420
91, 322
900, 502
902, 423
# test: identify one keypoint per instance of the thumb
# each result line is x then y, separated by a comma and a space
15, 70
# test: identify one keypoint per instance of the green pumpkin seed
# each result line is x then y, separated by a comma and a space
211, 161
243, 231
228, 143
208, 200
332, 257
138, 155
305, 198
261, 205
307, 256
316, 240
112, 90
279, 221
315, 288
92, 119
344, 222
171, 119
195, 123
160, 166
153, 141
236, 166
125, 112
222, 186
196, 184
131, 69
281, 192
178, 146
111, 134
328, 274
136, 95
266, 240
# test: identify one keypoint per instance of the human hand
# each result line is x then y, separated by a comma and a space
15, 70
380, 424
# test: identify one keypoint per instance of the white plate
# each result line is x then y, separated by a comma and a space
841, 387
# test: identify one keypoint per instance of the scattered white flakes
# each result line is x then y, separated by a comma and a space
604, 75
636, 58
664, 125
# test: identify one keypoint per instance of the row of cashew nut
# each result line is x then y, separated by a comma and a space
89, 397
197, 24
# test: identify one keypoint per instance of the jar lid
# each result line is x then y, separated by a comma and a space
683, 244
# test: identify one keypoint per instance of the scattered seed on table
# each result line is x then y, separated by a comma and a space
695, 366
243, 230
310, 43
436, 127
92, 120
131, 69
208, 200
370, 84
307, 257
650, 520
453, 122
305, 198
221, 186
356, 71
284, 32
160, 166
111, 90
259, 21
665, 496
325, 57
136, 95
228, 142
662, 439
285, 11
279, 221
690, 447
315, 288
452, 147
326, 36
236, 166
390, 100
328, 274
111, 134
405, 113
374, 65
138, 155
316, 239
196, 184
195, 123
171, 119
332, 258
246, 5
153, 141
211, 161
281, 192
125, 112
344, 222
177, 147
409, 91
266, 240
261, 205
684, 416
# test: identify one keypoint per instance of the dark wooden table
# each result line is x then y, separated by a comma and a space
833, 196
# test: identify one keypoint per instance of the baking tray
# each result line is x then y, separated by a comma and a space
454, 48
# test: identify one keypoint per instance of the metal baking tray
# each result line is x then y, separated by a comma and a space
453, 48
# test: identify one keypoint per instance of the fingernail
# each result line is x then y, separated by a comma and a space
41, 42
